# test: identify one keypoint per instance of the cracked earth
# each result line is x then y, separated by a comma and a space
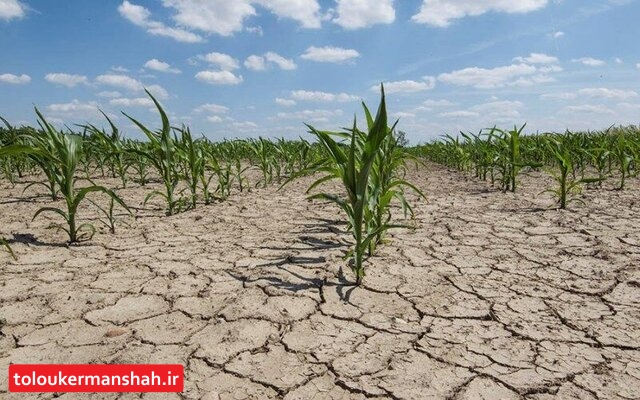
493, 296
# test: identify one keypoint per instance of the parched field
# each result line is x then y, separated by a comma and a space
493, 296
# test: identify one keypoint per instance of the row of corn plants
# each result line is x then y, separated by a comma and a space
189, 168
572, 159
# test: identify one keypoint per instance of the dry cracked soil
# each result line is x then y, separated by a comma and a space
493, 296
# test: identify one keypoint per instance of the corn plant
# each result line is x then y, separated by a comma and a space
567, 185
5, 244
60, 154
111, 148
386, 183
193, 164
109, 220
352, 165
161, 152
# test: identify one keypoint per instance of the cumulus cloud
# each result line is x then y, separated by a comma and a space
589, 109
285, 102
219, 77
589, 61
407, 86
72, 107
283, 63
256, 63
140, 16
126, 82
483, 78
441, 13
160, 66
68, 80
10, 9
225, 17
356, 14
15, 79
604, 93
119, 81
305, 95
211, 108
310, 115
223, 61
261, 63
537, 58
110, 94
330, 54
132, 102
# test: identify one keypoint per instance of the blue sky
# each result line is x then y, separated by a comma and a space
248, 68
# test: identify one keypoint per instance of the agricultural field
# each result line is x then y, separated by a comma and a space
498, 265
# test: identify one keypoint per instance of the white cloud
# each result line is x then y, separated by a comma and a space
223, 61
306, 12
459, 114
215, 119
110, 94
255, 29
356, 14
211, 108
73, 107
283, 63
219, 77
557, 35
119, 69
537, 58
330, 54
132, 102
605, 93
161, 66
131, 84
438, 103
559, 96
158, 92
440, 13
140, 16
589, 61
638, 65
407, 86
305, 95
256, 63
489, 78
589, 109
403, 114
225, 17
245, 125
261, 63
311, 115
618, 60
119, 81
66, 79
10, 9
498, 110
285, 102
15, 79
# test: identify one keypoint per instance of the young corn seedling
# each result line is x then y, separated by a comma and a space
567, 185
61, 156
110, 218
5, 244
193, 163
352, 166
112, 149
161, 152
386, 183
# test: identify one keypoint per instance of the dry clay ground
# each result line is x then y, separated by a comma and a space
493, 296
